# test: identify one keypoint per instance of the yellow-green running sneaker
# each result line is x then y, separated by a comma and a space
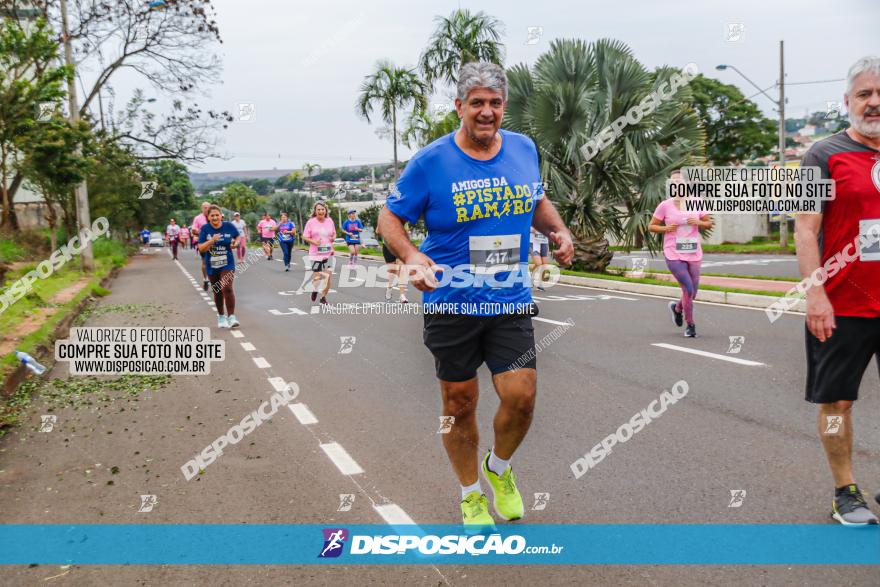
506, 499
475, 513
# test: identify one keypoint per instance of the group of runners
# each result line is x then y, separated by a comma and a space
842, 320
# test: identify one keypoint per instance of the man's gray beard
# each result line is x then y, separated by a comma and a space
868, 129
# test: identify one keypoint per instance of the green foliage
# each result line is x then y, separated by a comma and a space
238, 197
390, 89
462, 37
736, 130
422, 128
573, 91
28, 78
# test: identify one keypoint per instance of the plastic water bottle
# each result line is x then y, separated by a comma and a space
30, 362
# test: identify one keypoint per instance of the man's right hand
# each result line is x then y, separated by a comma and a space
420, 271
820, 314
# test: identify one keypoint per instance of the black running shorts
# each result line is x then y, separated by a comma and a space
389, 256
835, 367
460, 344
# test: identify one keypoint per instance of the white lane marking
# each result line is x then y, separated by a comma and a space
394, 514
340, 458
293, 311
316, 309
303, 414
261, 363
548, 321
278, 383
237, 333
707, 354
248, 346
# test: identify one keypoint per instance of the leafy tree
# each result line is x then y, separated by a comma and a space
370, 215
238, 198
390, 89
573, 91
28, 77
54, 164
462, 37
263, 187
114, 179
173, 182
736, 130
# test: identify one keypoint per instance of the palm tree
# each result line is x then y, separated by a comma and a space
297, 206
422, 128
391, 89
573, 92
461, 38
309, 167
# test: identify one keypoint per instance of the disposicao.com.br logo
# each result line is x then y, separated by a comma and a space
429, 544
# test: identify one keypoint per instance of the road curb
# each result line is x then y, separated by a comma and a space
707, 295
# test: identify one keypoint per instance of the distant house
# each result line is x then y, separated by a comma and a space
30, 209
809, 130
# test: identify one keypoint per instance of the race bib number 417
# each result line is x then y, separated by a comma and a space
500, 252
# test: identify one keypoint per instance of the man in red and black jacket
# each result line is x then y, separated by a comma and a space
843, 314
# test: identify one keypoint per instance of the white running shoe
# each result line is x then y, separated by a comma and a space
221, 322
232, 321
387, 294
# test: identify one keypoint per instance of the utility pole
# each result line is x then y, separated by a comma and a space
783, 217
81, 192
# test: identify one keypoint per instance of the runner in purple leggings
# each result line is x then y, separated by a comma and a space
683, 253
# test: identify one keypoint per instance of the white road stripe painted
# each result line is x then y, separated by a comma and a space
708, 354
548, 321
248, 346
394, 514
303, 414
237, 333
261, 362
278, 383
340, 458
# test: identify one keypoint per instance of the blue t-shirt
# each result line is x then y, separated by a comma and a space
348, 226
219, 256
145, 236
478, 215
285, 226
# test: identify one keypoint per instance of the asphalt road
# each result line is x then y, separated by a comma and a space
729, 263
742, 426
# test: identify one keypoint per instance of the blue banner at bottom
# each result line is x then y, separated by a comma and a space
611, 544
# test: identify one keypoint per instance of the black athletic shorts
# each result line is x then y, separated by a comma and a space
389, 256
460, 343
267, 239
835, 367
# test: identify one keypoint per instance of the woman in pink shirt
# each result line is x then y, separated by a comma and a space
266, 227
184, 235
683, 252
319, 233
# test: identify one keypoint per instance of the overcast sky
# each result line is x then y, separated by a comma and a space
301, 63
